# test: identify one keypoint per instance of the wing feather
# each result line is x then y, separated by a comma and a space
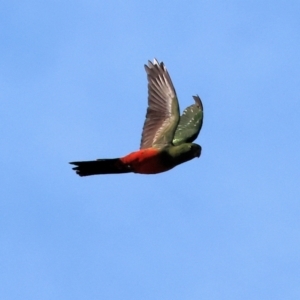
190, 123
162, 115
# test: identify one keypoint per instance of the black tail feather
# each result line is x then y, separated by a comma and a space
100, 166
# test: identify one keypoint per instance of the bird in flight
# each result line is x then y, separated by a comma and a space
166, 138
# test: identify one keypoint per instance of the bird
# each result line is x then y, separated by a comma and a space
167, 138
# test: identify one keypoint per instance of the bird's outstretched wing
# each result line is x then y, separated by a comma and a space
190, 123
162, 115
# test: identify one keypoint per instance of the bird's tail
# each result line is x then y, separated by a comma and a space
100, 166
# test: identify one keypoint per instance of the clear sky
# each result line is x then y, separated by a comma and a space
73, 87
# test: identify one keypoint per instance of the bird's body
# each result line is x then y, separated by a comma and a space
166, 138
145, 161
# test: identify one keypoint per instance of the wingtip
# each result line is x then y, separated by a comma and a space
155, 65
198, 101
150, 65
155, 61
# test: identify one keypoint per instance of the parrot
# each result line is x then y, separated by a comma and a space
167, 138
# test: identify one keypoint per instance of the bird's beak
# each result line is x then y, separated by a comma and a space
198, 152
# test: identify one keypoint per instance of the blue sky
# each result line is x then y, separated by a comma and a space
73, 87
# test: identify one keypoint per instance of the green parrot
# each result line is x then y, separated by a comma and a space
166, 137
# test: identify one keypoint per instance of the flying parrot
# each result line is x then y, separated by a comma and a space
166, 138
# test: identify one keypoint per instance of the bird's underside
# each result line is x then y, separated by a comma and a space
166, 138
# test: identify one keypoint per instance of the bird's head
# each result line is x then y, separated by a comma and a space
195, 149
184, 152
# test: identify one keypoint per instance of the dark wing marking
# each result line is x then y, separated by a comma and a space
163, 110
190, 123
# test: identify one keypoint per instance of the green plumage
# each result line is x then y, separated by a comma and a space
175, 155
190, 123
